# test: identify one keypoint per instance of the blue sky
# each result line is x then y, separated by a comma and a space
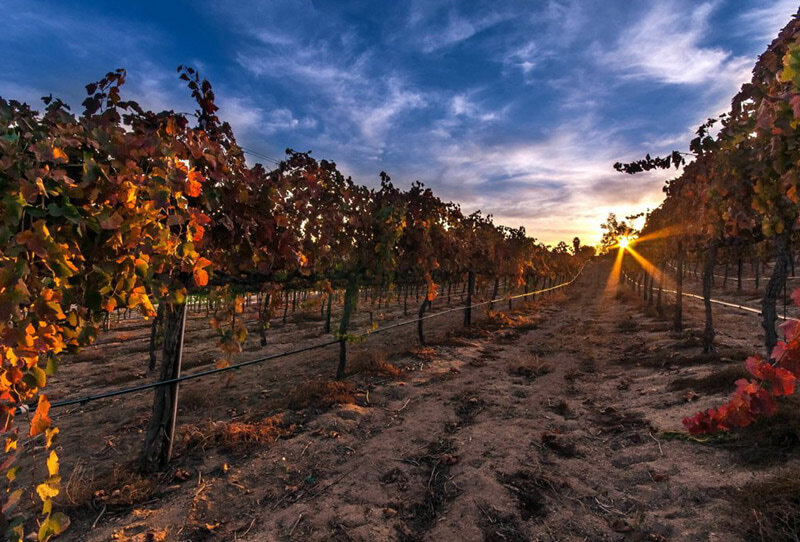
516, 108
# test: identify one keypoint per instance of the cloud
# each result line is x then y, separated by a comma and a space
463, 106
433, 29
666, 46
563, 179
356, 101
556, 27
764, 23
244, 116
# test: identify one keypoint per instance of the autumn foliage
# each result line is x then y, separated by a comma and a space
756, 397
120, 207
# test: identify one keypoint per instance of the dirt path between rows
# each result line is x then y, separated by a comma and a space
553, 423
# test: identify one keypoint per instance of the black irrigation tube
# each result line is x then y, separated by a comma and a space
192, 376
144, 387
727, 304
733, 278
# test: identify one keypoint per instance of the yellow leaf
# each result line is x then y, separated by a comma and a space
49, 435
52, 463
46, 491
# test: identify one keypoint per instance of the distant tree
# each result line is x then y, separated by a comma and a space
614, 229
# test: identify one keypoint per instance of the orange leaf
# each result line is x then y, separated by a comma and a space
41, 420
59, 155
194, 185
200, 276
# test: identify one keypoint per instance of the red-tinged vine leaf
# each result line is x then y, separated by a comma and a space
41, 419
795, 103
789, 328
756, 366
782, 382
762, 403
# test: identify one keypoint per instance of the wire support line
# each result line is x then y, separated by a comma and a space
22, 409
260, 155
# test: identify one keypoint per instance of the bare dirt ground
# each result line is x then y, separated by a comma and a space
557, 421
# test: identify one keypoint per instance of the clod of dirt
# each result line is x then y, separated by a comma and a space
628, 325
528, 488
468, 405
562, 408
396, 477
560, 444
615, 421
499, 527
530, 369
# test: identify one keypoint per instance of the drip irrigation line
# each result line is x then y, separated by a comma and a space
191, 376
744, 308
457, 309
734, 278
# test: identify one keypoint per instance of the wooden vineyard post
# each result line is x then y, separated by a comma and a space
159, 437
677, 324
470, 291
708, 276
420, 320
773, 290
328, 314
350, 299
175, 388
494, 292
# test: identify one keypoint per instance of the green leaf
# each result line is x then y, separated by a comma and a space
39, 376
54, 525
52, 365
55, 210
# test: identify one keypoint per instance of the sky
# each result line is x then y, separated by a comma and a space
516, 108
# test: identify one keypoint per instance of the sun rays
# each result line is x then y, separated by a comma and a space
625, 244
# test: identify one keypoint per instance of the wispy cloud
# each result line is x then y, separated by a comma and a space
356, 104
548, 182
764, 22
666, 46
432, 27
518, 108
